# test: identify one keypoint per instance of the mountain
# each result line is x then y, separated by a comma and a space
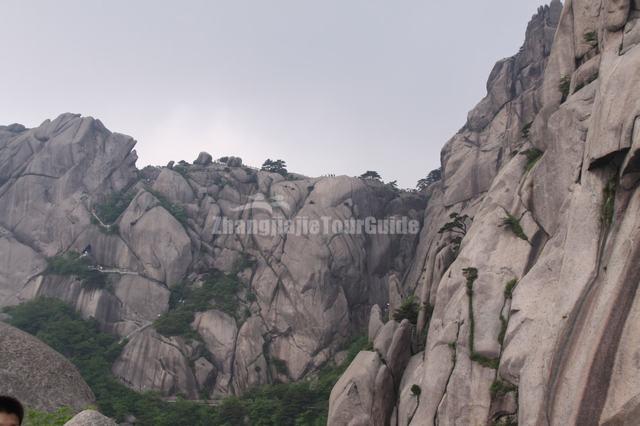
533, 320
513, 301
204, 315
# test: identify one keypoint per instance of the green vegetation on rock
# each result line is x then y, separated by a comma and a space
533, 156
371, 175
42, 418
471, 275
297, 404
409, 310
504, 322
500, 388
512, 223
416, 390
591, 38
456, 227
174, 209
218, 291
508, 289
608, 204
73, 264
275, 166
113, 206
433, 177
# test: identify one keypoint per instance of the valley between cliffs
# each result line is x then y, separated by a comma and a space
515, 303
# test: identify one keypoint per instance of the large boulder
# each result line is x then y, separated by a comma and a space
173, 187
204, 159
39, 376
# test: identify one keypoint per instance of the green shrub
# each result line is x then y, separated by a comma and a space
280, 366
508, 290
565, 87
471, 274
113, 206
512, 223
500, 388
371, 175
43, 418
526, 130
608, 205
591, 38
393, 186
457, 227
177, 323
504, 322
174, 209
305, 403
219, 291
275, 166
409, 310
416, 390
433, 177
533, 156
182, 169
72, 264
244, 262
511, 420
251, 297
487, 362
360, 343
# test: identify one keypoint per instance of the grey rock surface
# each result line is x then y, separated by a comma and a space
530, 313
299, 298
90, 418
564, 336
37, 375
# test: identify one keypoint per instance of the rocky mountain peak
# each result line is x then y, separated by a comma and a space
515, 301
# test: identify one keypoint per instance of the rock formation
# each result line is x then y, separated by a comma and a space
37, 375
534, 318
525, 270
299, 298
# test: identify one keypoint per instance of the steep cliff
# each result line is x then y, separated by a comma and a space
525, 269
534, 317
258, 308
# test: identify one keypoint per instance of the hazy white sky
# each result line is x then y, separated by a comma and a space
330, 86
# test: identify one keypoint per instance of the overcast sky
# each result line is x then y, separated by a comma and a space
330, 86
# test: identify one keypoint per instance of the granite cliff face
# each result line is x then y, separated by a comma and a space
299, 298
525, 267
535, 318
